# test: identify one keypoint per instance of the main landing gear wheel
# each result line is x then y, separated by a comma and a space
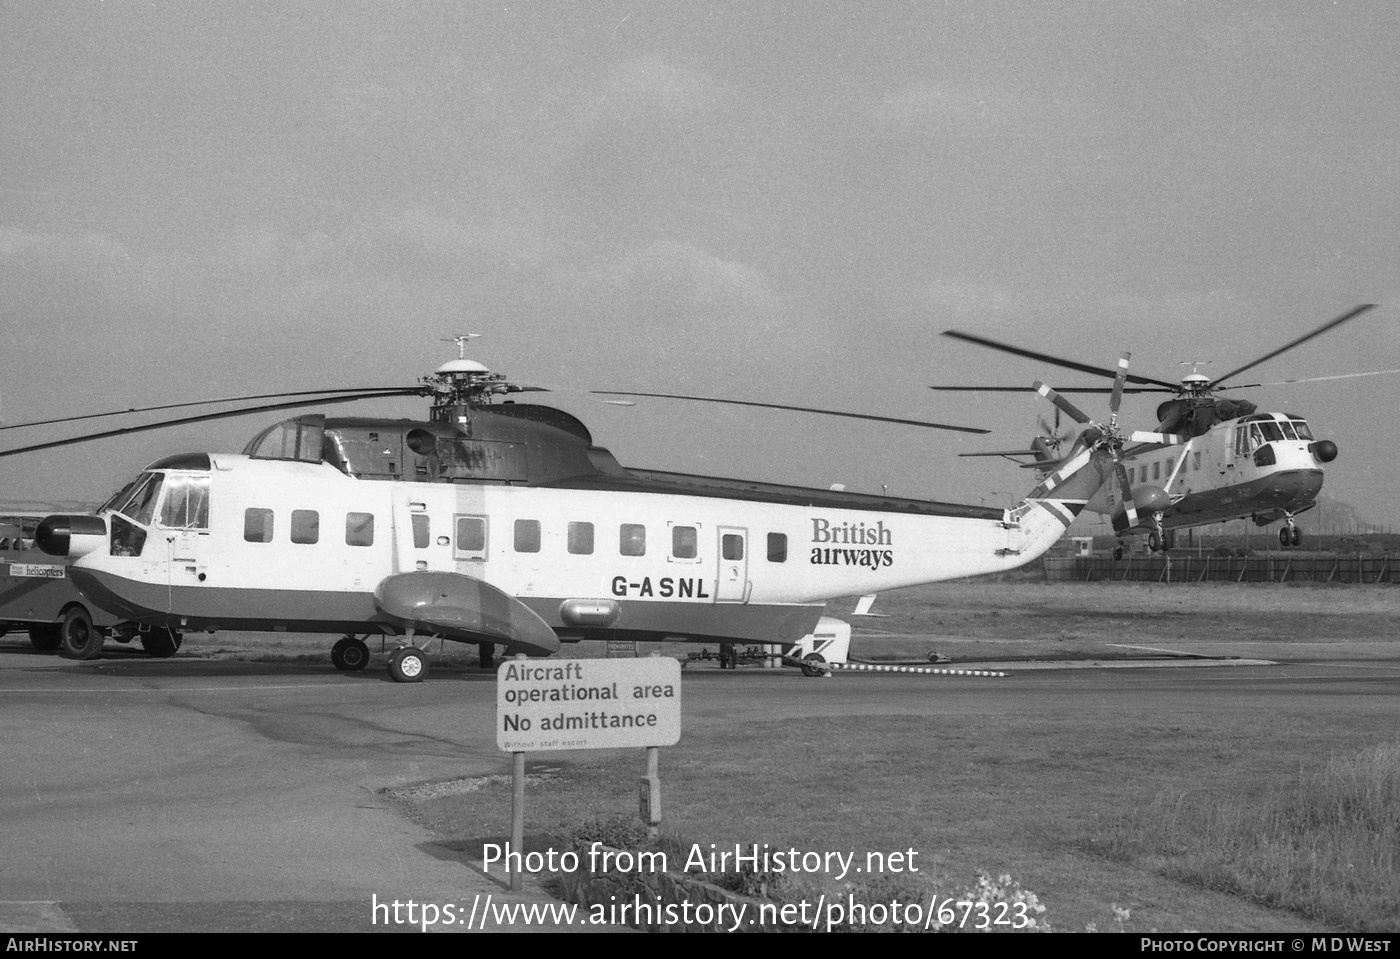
350, 655
408, 664
1297, 536
816, 667
161, 642
78, 638
1154, 542
46, 638
1290, 536
1117, 553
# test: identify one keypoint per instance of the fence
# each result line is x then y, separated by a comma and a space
1181, 567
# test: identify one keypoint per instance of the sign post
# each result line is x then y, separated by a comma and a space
586, 704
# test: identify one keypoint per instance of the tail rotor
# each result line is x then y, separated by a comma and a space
1106, 436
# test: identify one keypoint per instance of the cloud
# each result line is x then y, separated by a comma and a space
943, 109
85, 251
681, 274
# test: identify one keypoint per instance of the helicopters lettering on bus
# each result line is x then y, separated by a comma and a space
1216, 459
504, 525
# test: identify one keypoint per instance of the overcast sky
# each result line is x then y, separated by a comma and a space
784, 202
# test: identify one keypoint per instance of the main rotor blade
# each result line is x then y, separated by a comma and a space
1075, 413
362, 391
1330, 324
794, 409
1062, 389
1045, 358
1310, 379
204, 417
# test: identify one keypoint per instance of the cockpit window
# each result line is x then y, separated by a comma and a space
1287, 428
120, 495
1303, 432
1271, 431
186, 503
140, 503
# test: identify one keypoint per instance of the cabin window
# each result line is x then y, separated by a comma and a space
421, 535
731, 546
306, 526
359, 529
581, 539
777, 547
1157, 470
257, 525
632, 539
471, 537
684, 542
527, 536
1196, 460
186, 504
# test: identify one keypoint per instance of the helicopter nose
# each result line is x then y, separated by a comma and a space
55, 535
1324, 451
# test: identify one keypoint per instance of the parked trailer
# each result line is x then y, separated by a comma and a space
36, 595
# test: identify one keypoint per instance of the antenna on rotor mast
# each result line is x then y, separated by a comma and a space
461, 339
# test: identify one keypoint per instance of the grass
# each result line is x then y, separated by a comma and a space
1060, 783
1324, 848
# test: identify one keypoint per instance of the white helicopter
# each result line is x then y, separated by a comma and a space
502, 524
1233, 461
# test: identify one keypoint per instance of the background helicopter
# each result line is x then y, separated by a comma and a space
1217, 458
503, 524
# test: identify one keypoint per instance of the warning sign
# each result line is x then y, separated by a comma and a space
588, 703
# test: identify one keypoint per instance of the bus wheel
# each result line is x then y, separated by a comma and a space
78, 638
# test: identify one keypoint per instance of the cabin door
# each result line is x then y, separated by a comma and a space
733, 585
420, 541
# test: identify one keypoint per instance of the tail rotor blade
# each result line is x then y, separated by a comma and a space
1117, 397
1160, 439
1074, 412
1128, 505
1068, 470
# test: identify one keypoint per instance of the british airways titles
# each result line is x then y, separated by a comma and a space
851, 534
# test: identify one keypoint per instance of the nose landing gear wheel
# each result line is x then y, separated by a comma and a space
350, 655
817, 662
408, 665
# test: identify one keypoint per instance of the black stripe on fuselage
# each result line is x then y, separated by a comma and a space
682, 484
